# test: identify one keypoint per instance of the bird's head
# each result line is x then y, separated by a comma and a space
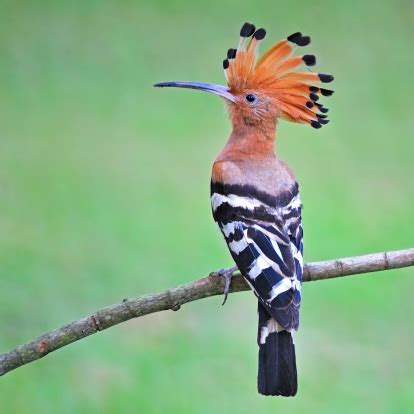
262, 89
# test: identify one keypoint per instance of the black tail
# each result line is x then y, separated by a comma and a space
277, 360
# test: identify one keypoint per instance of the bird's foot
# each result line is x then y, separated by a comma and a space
226, 274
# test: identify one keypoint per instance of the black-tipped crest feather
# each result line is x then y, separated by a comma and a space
326, 92
294, 36
259, 34
247, 30
314, 97
298, 39
310, 60
231, 53
325, 78
303, 41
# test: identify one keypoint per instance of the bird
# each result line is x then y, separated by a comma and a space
255, 197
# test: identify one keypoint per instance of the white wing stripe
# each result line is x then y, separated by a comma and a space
277, 249
237, 246
294, 203
269, 234
283, 286
297, 254
269, 261
235, 201
258, 266
228, 228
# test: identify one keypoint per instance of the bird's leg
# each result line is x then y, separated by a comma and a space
226, 274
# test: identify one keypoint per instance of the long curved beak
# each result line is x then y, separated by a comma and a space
219, 90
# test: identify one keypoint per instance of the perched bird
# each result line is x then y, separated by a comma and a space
255, 196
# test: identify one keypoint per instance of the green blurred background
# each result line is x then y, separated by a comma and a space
104, 186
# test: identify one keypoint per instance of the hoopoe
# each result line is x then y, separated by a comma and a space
255, 196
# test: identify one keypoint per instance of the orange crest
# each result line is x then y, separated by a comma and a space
274, 74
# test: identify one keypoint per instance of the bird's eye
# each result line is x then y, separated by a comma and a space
250, 98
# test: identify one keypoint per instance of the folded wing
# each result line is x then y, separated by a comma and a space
264, 236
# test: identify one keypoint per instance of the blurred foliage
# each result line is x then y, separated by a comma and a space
104, 186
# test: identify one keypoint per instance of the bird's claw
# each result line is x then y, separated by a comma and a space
226, 274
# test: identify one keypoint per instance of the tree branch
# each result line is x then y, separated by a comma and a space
174, 298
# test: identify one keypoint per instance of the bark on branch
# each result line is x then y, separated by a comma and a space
175, 297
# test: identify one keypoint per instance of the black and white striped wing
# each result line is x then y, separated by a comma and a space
264, 235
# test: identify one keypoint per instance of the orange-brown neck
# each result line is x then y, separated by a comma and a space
249, 142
